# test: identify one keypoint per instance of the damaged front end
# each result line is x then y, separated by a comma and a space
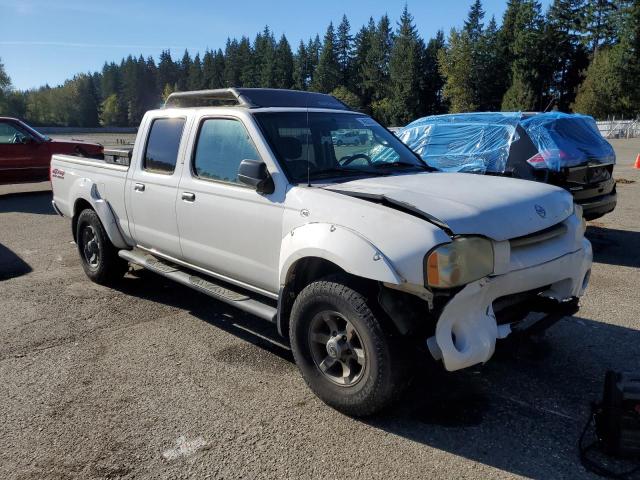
534, 284
492, 307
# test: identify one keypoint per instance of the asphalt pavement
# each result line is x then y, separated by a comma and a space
153, 380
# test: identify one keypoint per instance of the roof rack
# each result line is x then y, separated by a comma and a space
254, 98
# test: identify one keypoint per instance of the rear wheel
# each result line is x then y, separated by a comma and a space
99, 257
342, 350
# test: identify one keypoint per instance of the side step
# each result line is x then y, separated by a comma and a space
246, 301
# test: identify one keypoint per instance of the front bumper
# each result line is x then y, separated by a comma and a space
467, 329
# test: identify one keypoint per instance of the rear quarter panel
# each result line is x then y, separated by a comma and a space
74, 178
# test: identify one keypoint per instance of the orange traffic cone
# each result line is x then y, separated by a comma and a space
637, 164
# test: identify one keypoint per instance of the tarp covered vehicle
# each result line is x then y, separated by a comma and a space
562, 149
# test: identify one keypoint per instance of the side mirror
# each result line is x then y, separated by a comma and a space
255, 174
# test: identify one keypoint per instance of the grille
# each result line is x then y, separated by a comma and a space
540, 236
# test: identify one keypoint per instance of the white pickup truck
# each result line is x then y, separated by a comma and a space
358, 253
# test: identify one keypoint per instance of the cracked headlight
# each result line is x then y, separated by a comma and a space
463, 260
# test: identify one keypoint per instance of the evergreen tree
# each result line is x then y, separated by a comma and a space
520, 96
183, 71
167, 70
456, 65
506, 38
600, 23
344, 51
207, 69
373, 45
433, 81
264, 56
301, 71
218, 69
365, 65
602, 92
111, 80
283, 64
213, 69
473, 39
404, 72
528, 59
231, 64
630, 44
327, 74
473, 24
196, 81
566, 57
314, 46
489, 79
150, 91
247, 64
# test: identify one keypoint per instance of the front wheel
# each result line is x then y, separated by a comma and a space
99, 257
344, 354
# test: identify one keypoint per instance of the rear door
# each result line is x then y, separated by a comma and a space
153, 186
227, 227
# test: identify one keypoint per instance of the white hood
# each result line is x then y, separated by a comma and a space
496, 207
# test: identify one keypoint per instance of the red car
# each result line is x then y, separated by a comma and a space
25, 154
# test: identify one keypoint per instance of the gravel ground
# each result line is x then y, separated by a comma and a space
152, 380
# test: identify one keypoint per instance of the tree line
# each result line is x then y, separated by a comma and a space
579, 55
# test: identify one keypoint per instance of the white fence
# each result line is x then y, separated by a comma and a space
619, 128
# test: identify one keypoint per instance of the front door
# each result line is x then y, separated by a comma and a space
153, 186
22, 158
225, 226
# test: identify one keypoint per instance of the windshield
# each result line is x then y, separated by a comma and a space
34, 132
321, 145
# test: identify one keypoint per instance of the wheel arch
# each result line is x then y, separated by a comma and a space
87, 196
301, 273
315, 250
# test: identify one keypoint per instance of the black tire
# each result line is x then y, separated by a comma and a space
383, 376
98, 256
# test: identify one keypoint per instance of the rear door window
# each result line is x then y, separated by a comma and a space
161, 152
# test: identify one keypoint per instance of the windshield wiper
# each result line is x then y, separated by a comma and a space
402, 164
337, 172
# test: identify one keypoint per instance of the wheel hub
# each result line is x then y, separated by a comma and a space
90, 247
336, 348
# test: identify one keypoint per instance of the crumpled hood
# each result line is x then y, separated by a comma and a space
496, 207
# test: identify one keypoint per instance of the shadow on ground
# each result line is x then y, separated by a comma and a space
150, 286
522, 412
28, 202
614, 247
11, 265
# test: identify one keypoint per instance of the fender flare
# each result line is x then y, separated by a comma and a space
340, 245
88, 191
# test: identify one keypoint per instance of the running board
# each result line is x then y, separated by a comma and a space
246, 301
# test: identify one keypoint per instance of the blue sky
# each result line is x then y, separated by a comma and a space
47, 41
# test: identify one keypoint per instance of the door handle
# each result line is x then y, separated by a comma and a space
188, 197
138, 187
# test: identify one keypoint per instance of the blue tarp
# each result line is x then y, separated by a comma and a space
480, 142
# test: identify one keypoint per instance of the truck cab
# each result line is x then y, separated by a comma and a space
358, 254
